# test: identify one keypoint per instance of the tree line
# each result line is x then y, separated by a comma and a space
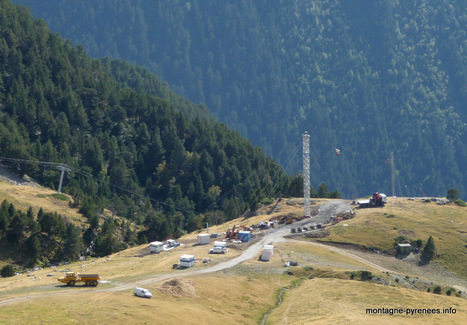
369, 77
134, 146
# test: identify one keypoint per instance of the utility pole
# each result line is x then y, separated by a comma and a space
393, 181
306, 174
63, 168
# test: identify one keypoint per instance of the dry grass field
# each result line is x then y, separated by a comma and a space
378, 227
335, 301
244, 293
25, 196
215, 299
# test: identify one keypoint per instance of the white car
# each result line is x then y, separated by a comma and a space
218, 250
143, 293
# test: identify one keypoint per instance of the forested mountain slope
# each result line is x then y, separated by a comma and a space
149, 156
370, 77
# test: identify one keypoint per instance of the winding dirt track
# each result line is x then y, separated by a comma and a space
346, 253
274, 235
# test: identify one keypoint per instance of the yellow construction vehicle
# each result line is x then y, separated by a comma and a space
71, 278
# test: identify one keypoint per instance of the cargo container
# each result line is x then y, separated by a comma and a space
187, 260
267, 252
156, 246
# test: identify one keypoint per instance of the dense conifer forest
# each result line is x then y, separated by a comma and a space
368, 77
129, 144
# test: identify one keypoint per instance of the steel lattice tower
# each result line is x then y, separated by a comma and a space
306, 174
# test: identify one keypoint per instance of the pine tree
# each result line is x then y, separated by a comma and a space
33, 246
453, 194
428, 251
73, 243
7, 271
323, 190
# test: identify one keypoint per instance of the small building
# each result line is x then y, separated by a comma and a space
404, 249
156, 246
244, 236
187, 260
268, 250
204, 239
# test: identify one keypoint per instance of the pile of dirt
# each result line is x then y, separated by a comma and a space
178, 288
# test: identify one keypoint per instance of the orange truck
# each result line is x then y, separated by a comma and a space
71, 278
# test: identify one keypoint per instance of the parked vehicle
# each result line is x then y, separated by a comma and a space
143, 293
377, 200
71, 278
218, 250
172, 243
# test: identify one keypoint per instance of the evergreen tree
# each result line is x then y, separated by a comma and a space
453, 194
33, 248
3, 223
7, 271
16, 230
73, 243
428, 251
322, 190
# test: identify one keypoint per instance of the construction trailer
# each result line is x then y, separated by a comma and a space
187, 260
156, 246
268, 250
204, 239
244, 236
220, 244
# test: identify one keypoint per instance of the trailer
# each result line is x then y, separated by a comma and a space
156, 246
268, 250
204, 239
187, 260
71, 278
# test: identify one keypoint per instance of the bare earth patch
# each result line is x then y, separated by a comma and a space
178, 288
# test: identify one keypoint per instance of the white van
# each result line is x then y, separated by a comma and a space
143, 293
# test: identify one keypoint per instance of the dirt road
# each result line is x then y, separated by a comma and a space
274, 235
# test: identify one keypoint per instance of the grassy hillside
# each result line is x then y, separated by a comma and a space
324, 291
334, 301
239, 295
414, 219
38, 197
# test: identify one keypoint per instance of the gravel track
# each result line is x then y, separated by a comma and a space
274, 235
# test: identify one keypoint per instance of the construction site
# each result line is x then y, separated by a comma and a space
258, 269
